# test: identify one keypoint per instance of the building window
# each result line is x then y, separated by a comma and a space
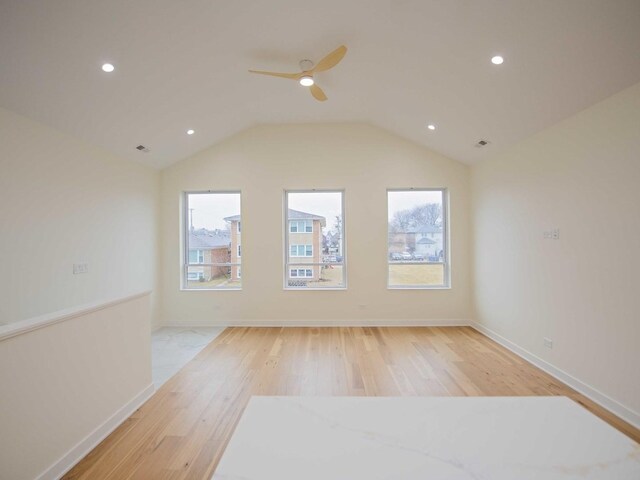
211, 230
196, 256
314, 240
301, 273
239, 250
239, 227
195, 276
301, 250
301, 226
417, 252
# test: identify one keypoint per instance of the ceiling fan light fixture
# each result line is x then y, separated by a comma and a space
306, 80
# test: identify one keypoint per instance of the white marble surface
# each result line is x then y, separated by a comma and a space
454, 438
173, 347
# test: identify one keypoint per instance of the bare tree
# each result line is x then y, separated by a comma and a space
406, 220
401, 221
428, 214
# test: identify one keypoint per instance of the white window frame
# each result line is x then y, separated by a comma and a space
199, 255
445, 243
304, 247
198, 275
298, 270
185, 244
306, 265
297, 223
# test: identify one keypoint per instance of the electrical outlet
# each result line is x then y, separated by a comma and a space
548, 342
551, 234
79, 268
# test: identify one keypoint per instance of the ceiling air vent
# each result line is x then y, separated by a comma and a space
482, 143
142, 148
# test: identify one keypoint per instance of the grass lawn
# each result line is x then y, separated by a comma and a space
427, 274
330, 277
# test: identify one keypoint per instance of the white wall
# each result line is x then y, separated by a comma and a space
265, 160
64, 202
66, 385
582, 291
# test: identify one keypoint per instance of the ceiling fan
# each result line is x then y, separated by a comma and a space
305, 77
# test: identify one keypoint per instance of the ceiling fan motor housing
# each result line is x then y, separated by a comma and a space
306, 65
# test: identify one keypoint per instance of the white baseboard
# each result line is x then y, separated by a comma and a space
327, 323
588, 391
73, 456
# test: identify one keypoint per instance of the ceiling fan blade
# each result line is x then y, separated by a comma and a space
293, 76
330, 60
317, 93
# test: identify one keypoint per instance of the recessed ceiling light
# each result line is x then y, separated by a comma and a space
190, 132
107, 67
306, 80
431, 126
497, 60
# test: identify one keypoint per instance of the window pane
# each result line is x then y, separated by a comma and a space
213, 235
317, 236
416, 275
206, 277
316, 276
416, 234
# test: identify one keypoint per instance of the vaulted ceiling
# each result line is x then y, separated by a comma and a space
183, 64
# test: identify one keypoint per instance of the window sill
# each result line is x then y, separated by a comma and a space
182, 289
319, 289
437, 287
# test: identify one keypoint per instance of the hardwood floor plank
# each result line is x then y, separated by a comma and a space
181, 432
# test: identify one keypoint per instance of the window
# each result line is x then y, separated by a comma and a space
195, 275
301, 250
301, 273
196, 256
417, 238
239, 251
239, 227
301, 226
211, 241
314, 240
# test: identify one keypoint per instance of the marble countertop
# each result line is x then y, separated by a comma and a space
443, 438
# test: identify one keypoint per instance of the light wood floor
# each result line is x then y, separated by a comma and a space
181, 432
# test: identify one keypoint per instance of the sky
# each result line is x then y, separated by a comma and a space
325, 204
209, 209
406, 200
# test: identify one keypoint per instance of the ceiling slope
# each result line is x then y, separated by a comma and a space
182, 65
